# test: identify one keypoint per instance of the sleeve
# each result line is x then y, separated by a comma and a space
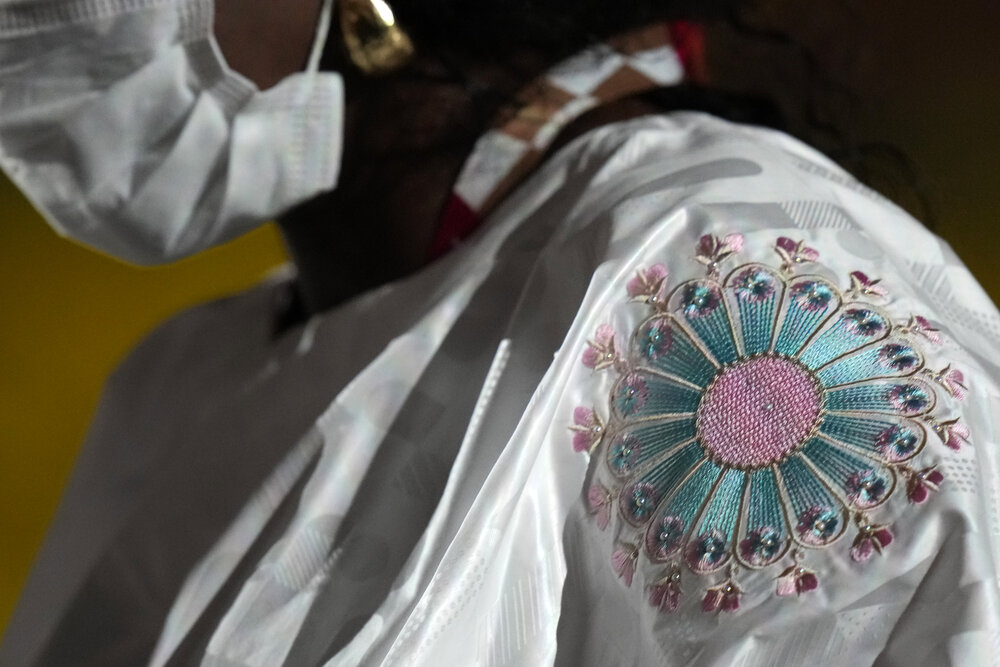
767, 435
786, 394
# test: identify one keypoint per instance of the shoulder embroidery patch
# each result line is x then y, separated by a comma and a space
755, 417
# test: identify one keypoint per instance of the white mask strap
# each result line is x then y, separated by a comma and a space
322, 32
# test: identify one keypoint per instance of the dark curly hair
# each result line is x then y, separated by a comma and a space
492, 28
811, 106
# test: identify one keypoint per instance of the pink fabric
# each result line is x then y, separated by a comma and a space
758, 411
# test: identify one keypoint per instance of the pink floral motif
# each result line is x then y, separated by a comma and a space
648, 284
761, 546
600, 352
866, 488
952, 380
920, 326
872, 538
712, 250
796, 580
778, 314
862, 285
724, 597
952, 432
588, 429
919, 483
623, 560
792, 253
599, 498
666, 593
819, 525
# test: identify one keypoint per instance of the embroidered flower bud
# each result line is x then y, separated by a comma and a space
897, 442
864, 322
919, 483
648, 284
762, 546
797, 580
712, 250
862, 285
866, 488
920, 326
655, 338
624, 453
898, 357
792, 253
599, 498
952, 432
754, 285
631, 394
600, 352
909, 399
708, 552
872, 538
700, 299
624, 560
666, 593
952, 380
588, 429
819, 525
725, 597
812, 295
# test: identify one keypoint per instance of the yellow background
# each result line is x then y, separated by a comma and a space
929, 73
69, 315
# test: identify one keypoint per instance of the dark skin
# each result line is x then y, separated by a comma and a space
406, 136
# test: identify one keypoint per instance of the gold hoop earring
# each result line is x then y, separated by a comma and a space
375, 42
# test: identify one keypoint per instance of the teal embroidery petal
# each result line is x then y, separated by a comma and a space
809, 301
856, 327
659, 343
711, 544
680, 509
757, 292
819, 517
908, 398
892, 358
864, 482
658, 482
894, 440
701, 306
765, 535
639, 395
638, 444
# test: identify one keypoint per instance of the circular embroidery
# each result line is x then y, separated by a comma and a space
757, 416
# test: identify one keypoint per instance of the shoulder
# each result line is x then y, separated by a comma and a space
778, 375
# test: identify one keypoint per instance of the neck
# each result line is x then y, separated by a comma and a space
356, 238
406, 138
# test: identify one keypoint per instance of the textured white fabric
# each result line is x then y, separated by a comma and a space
510, 570
436, 512
121, 122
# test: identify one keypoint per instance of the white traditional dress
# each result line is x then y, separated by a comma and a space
691, 396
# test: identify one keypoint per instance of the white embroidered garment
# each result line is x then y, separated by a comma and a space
512, 570
682, 347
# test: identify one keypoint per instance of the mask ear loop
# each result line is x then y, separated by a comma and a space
322, 33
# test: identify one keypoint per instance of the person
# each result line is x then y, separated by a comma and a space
677, 398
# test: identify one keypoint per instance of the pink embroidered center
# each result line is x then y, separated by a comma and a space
758, 411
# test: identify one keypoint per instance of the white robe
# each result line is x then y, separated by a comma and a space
437, 513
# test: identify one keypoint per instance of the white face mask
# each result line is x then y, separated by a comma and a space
120, 120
